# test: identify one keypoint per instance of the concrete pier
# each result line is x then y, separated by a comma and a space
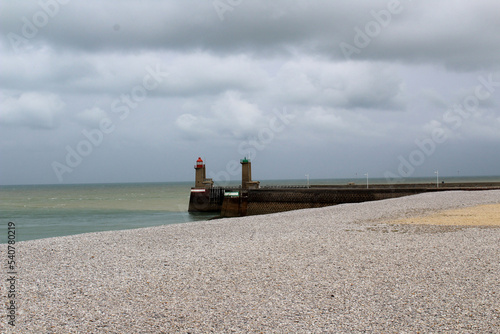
249, 202
250, 199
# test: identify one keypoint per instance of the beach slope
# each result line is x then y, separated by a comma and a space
345, 268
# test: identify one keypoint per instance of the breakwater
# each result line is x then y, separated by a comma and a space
237, 202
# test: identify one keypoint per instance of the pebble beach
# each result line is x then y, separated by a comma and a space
348, 268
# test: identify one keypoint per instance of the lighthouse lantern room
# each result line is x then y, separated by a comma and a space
199, 163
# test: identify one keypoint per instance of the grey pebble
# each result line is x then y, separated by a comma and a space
338, 269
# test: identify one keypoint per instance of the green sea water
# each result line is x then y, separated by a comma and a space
57, 210
44, 211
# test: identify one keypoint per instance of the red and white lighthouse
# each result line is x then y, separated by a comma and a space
201, 180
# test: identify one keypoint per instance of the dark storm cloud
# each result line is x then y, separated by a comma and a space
460, 34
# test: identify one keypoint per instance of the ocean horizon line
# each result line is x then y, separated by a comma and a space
300, 180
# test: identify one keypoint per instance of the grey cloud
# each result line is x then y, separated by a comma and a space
78, 73
347, 86
202, 73
91, 117
227, 77
459, 34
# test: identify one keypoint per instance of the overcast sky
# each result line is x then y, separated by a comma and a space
134, 91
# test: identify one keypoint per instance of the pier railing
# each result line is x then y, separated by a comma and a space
285, 187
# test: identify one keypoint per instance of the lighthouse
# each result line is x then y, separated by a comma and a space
246, 175
200, 177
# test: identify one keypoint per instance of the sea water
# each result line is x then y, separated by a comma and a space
43, 211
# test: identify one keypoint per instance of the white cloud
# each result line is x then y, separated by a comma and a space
321, 118
33, 110
194, 127
91, 117
229, 116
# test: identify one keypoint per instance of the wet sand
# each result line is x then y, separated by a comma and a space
482, 215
